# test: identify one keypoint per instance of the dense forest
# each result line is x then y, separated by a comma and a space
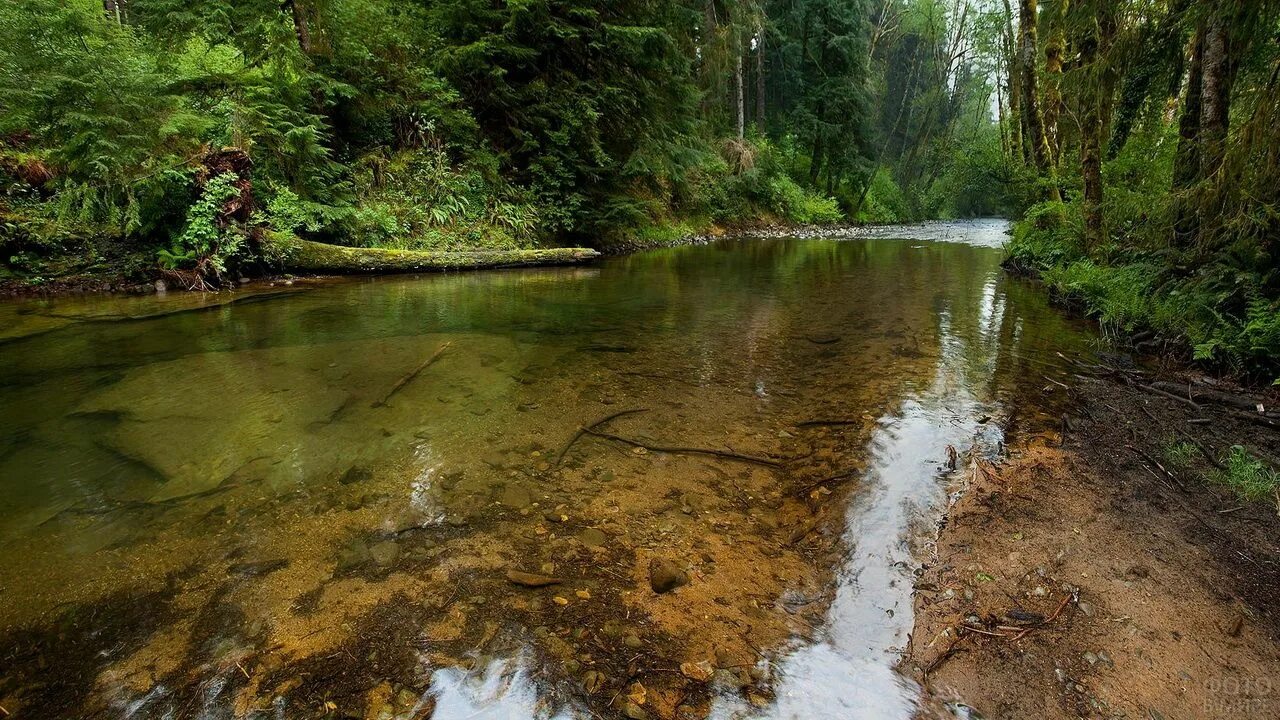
1137, 139
1152, 130
198, 137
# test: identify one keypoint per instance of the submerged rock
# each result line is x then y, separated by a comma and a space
385, 553
698, 672
531, 580
592, 537
516, 497
256, 569
665, 575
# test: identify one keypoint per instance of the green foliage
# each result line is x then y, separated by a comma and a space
419, 199
1249, 477
207, 242
1179, 454
885, 202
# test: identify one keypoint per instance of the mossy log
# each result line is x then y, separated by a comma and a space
305, 256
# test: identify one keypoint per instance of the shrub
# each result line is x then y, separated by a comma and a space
207, 243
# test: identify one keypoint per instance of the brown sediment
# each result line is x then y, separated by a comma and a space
1086, 577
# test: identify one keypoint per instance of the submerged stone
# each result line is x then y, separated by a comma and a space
665, 575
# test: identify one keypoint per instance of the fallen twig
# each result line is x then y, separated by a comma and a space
413, 374
952, 649
583, 429
677, 450
1171, 396
1203, 450
1164, 470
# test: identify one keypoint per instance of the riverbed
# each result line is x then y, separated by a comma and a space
447, 496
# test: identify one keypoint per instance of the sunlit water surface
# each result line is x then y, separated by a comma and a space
302, 501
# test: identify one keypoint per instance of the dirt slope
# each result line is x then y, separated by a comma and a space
1102, 583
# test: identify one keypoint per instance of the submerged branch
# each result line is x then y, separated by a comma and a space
582, 429
412, 374
677, 450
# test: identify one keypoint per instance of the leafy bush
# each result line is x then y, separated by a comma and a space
885, 202
206, 244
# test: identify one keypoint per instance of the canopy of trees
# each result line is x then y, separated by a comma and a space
1154, 141
191, 134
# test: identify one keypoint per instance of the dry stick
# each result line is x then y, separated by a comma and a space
827, 423
409, 378
946, 655
583, 429
685, 450
1171, 396
1164, 470
1048, 620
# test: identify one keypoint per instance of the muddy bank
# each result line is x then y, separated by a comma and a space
1089, 576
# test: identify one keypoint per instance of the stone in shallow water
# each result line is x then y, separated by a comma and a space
532, 580
385, 553
665, 575
516, 497
592, 537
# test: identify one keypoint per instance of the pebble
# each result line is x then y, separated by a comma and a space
592, 681
665, 575
698, 672
592, 537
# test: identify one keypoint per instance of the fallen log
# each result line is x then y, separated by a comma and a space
305, 256
1201, 394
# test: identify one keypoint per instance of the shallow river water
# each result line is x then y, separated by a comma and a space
306, 501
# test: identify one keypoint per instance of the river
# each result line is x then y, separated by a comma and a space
304, 500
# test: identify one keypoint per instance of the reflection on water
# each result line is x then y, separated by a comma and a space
308, 502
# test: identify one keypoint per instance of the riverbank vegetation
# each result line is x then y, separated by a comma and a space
1150, 132
156, 136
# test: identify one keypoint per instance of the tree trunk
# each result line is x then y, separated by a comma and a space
739, 97
1016, 147
1091, 123
815, 160
1215, 94
1030, 97
114, 10
760, 76
1053, 49
1186, 165
300, 25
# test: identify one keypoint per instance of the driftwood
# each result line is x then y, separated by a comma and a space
412, 374
1208, 395
828, 423
804, 489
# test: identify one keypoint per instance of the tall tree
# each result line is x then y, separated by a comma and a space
1034, 118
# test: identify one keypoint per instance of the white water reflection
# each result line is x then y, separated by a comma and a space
850, 673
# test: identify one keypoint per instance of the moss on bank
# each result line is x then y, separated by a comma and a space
305, 256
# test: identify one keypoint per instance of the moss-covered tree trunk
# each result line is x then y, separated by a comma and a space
305, 256
1034, 117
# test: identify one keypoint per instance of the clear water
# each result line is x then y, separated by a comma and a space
303, 501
